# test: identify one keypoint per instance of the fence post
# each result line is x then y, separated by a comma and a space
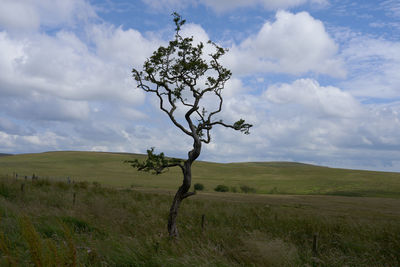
74, 198
315, 245
22, 187
203, 220
315, 250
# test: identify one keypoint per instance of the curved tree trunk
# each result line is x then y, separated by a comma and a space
183, 191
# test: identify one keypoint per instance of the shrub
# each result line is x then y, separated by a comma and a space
198, 187
4, 190
233, 189
96, 184
274, 190
40, 182
221, 188
62, 185
82, 185
247, 189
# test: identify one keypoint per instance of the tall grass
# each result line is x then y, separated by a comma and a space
42, 227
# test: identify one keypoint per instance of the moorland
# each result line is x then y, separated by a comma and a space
91, 209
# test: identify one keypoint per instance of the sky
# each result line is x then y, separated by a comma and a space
318, 79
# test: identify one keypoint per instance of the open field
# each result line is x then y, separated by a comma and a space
43, 224
102, 220
267, 178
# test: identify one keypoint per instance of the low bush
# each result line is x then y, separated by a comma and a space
4, 190
221, 188
40, 182
62, 185
198, 187
82, 185
247, 189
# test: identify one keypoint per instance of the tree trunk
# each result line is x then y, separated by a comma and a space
173, 213
181, 194
183, 191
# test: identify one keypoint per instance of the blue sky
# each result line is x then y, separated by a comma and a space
319, 79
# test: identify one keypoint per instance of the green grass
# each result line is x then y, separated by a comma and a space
266, 177
42, 226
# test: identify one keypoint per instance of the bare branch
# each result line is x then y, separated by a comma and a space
188, 194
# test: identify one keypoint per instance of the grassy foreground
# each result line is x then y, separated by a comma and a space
267, 178
47, 223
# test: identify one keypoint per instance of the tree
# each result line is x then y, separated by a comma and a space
180, 75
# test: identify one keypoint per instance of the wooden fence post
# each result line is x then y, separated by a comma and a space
22, 187
74, 198
315, 245
203, 219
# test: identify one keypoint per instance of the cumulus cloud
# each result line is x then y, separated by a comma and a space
304, 121
226, 5
324, 101
293, 43
26, 15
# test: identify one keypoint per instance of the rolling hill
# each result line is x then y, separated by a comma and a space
266, 177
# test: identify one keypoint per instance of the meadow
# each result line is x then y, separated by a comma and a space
102, 220
266, 177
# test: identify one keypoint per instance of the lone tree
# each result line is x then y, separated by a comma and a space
180, 75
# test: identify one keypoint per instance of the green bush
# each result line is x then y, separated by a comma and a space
4, 190
62, 185
221, 188
198, 187
247, 189
82, 185
40, 182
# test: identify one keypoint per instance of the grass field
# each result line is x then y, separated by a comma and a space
102, 220
267, 178
43, 224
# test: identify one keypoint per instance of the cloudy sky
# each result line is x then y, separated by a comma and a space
319, 79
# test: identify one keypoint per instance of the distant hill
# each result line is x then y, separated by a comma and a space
265, 177
5, 155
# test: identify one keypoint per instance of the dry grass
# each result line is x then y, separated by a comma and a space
112, 227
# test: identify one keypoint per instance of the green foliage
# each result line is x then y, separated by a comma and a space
40, 182
247, 189
181, 74
198, 187
5, 190
156, 163
62, 185
221, 188
77, 225
81, 185
242, 126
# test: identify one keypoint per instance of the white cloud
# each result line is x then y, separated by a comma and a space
304, 121
128, 47
373, 64
293, 43
324, 101
226, 5
392, 7
27, 15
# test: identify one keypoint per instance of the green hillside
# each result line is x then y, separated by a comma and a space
265, 177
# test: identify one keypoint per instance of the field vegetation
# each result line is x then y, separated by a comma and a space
99, 219
53, 223
265, 177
